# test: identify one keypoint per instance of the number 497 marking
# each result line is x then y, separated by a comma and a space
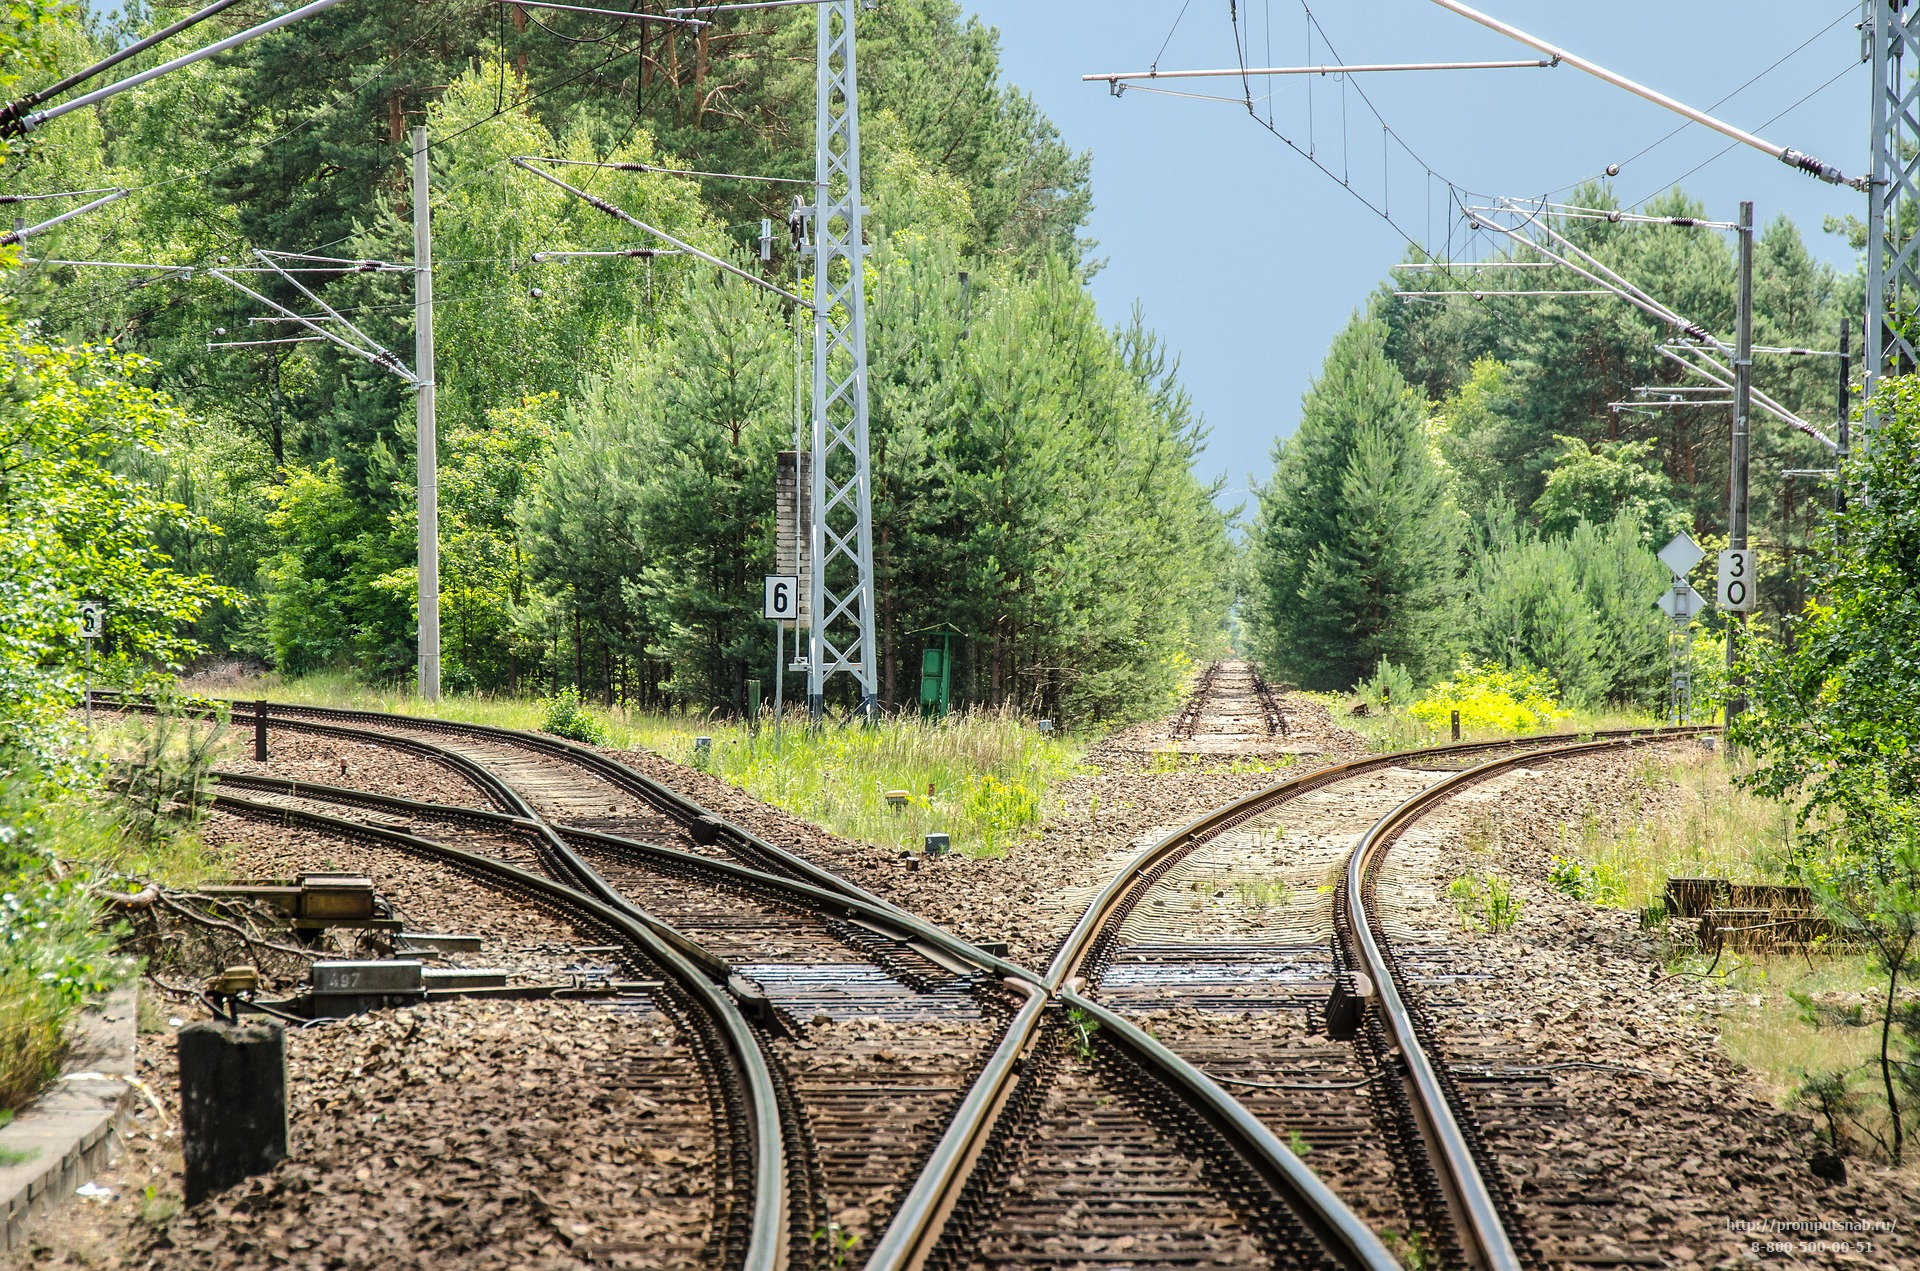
1737, 580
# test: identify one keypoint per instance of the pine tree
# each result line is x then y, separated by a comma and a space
1356, 547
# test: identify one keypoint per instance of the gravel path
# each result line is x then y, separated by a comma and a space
337, 761
468, 1134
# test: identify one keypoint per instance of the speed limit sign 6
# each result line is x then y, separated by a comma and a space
1736, 579
783, 598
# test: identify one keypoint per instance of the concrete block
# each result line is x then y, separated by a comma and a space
67, 1134
233, 1103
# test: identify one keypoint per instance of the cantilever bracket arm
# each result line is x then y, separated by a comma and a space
520, 161
382, 359
1792, 158
13, 236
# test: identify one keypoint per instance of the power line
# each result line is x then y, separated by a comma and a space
1730, 147
1614, 169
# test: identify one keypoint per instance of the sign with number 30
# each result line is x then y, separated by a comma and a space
1736, 579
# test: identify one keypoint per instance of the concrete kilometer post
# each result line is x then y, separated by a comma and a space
1737, 485
426, 441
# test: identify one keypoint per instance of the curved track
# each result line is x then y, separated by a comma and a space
750, 1221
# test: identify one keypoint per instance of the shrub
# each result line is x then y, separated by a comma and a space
564, 716
1389, 688
1492, 697
52, 956
1486, 899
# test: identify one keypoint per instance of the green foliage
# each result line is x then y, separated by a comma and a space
53, 956
163, 773
1084, 1026
1491, 697
1836, 716
1598, 883
340, 588
982, 777
485, 589
1595, 484
1578, 607
1389, 688
1516, 376
563, 717
298, 142
1485, 899
1834, 727
73, 527
1356, 543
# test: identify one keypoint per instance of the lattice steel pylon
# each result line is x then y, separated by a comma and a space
841, 584
1891, 30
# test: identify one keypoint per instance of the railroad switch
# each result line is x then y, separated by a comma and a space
705, 830
1347, 1004
758, 1007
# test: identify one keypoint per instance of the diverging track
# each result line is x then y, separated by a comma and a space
1088, 1140
867, 1024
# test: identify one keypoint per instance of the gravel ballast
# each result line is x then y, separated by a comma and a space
471, 1134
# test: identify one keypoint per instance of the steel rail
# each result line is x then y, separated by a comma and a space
899, 925
1477, 1216
917, 1225
497, 791
565, 860
766, 1245
634, 782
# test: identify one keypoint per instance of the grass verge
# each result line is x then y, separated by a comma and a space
1698, 824
984, 778
1386, 730
54, 952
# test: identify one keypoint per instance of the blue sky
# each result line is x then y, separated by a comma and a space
1247, 259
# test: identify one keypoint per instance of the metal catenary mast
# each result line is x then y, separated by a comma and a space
1891, 32
841, 581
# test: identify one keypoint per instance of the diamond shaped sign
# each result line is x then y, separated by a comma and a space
1682, 554
1682, 601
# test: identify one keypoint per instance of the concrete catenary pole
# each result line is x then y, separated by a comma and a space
1737, 483
426, 441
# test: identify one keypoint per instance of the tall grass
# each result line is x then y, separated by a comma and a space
1703, 826
983, 778
53, 952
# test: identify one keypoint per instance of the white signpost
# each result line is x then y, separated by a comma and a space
782, 598
93, 625
1736, 579
780, 606
1681, 602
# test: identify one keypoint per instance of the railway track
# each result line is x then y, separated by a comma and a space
749, 1220
1080, 1135
1231, 704
1055, 1160
873, 1022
